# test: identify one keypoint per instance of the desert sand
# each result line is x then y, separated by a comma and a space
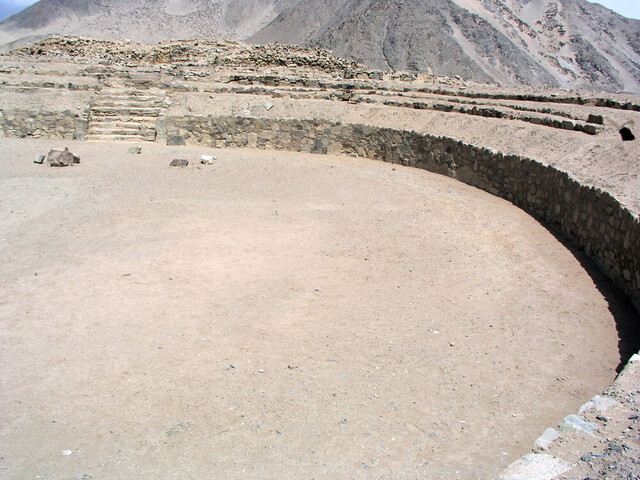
281, 315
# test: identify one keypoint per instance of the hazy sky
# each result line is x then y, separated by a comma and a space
628, 8
9, 7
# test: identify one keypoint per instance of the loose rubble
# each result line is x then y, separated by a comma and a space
59, 157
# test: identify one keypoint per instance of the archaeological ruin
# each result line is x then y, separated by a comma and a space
556, 155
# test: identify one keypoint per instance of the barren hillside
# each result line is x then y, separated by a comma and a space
567, 43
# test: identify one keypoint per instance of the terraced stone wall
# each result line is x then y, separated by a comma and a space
27, 123
595, 221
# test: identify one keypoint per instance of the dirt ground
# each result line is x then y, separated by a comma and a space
280, 315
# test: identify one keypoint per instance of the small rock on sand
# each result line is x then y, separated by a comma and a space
58, 157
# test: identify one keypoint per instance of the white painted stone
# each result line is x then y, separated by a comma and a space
599, 404
535, 466
575, 422
545, 440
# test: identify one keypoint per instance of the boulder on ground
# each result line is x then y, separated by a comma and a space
179, 162
58, 157
135, 150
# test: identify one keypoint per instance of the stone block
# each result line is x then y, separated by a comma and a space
179, 162
545, 440
535, 466
317, 146
176, 140
577, 423
58, 157
334, 148
252, 140
590, 129
595, 119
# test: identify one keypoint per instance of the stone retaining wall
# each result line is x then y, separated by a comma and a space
25, 123
492, 112
595, 221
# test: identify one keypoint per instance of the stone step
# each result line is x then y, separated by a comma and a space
126, 111
130, 96
97, 117
119, 138
103, 122
128, 101
123, 123
100, 105
133, 92
120, 131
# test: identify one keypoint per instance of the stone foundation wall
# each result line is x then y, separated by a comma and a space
26, 123
591, 218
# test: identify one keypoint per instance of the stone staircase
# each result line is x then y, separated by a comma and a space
126, 113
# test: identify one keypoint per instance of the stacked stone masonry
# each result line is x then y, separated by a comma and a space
591, 218
67, 125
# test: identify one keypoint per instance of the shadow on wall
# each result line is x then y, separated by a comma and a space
620, 306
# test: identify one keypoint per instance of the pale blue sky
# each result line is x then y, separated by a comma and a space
9, 7
628, 8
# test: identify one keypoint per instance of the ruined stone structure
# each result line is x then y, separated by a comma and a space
137, 105
396, 119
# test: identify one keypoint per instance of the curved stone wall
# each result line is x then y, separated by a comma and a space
591, 218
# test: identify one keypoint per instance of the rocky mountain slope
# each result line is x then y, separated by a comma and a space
141, 20
537, 42
565, 43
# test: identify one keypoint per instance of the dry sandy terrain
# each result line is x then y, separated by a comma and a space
280, 315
